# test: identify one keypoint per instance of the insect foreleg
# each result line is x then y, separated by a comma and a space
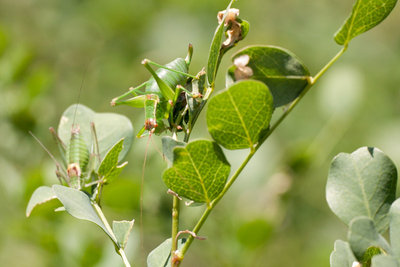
150, 112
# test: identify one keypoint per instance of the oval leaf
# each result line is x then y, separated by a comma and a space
363, 235
284, 74
362, 184
41, 195
79, 206
160, 256
366, 14
237, 116
199, 171
110, 128
342, 256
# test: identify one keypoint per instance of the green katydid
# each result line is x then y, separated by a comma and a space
77, 162
164, 97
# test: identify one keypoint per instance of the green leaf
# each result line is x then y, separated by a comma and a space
394, 215
371, 252
110, 128
284, 74
237, 116
109, 168
384, 261
342, 256
122, 229
161, 255
199, 171
79, 206
214, 54
168, 145
363, 235
366, 14
362, 184
41, 195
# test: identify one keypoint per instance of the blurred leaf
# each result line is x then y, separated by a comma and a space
168, 145
122, 229
40, 195
22, 61
362, 183
394, 215
79, 206
110, 128
161, 255
284, 74
199, 171
109, 168
38, 81
255, 233
342, 256
384, 261
363, 235
214, 54
366, 14
237, 116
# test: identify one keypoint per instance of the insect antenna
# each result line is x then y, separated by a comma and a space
58, 166
141, 195
79, 95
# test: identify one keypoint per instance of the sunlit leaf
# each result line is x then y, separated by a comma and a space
366, 14
41, 195
161, 255
237, 116
284, 74
362, 183
199, 171
122, 229
342, 256
110, 128
363, 235
79, 206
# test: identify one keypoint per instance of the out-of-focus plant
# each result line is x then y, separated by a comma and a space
361, 191
261, 79
91, 146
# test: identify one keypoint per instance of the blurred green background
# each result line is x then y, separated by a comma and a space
276, 213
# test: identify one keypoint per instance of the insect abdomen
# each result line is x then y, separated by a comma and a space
77, 152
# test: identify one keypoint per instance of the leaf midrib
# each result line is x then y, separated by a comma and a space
240, 118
